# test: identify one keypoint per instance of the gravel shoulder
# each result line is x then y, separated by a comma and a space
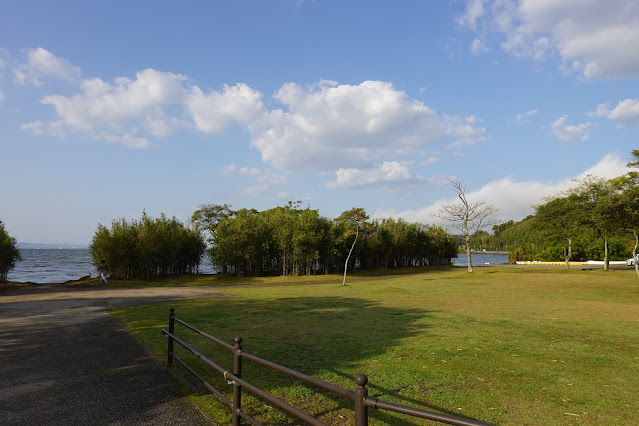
65, 361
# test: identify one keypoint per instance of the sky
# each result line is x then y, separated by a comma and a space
112, 109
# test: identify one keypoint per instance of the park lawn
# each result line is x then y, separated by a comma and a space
510, 346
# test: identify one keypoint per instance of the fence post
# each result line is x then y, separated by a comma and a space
169, 359
361, 412
237, 390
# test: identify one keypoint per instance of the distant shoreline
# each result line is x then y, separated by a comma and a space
49, 246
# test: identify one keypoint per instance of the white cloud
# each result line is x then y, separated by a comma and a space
590, 36
122, 105
228, 170
326, 126
478, 46
1, 96
214, 111
429, 161
262, 176
522, 118
126, 139
474, 11
567, 132
514, 199
625, 114
387, 172
265, 177
40, 64
329, 126
35, 127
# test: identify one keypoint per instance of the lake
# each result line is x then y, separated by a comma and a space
481, 259
47, 266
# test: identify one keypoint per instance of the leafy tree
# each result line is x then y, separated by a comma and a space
356, 216
9, 253
597, 199
468, 217
208, 216
561, 218
628, 203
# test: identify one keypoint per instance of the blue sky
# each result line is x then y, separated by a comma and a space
108, 109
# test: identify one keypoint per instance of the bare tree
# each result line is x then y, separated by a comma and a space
467, 217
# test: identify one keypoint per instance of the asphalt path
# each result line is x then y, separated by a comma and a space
65, 361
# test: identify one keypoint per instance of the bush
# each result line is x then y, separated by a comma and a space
514, 256
9, 253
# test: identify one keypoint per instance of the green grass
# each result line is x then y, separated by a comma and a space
503, 345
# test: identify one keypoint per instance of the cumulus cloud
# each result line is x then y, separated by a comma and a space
42, 64
116, 105
591, 37
513, 198
567, 132
329, 126
214, 111
387, 172
326, 126
625, 114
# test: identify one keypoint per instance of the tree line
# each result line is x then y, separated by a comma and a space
598, 219
289, 240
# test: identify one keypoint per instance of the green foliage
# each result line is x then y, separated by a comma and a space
9, 253
292, 241
148, 248
599, 219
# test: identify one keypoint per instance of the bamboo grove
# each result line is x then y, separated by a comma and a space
292, 241
148, 247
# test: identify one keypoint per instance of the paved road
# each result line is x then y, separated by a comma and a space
65, 361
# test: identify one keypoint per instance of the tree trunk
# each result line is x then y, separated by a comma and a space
569, 254
606, 257
349, 255
468, 256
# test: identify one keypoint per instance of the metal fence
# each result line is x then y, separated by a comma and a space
359, 396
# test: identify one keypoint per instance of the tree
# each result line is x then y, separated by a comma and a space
628, 200
356, 216
468, 217
208, 216
561, 218
596, 197
9, 253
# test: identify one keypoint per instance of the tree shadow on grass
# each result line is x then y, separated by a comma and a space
331, 338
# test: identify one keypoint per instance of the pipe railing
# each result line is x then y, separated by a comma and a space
359, 396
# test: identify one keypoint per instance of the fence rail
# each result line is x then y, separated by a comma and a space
359, 396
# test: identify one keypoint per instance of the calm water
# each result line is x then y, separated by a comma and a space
481, 259
46, 266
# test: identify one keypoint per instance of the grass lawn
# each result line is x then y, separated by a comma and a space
510, 346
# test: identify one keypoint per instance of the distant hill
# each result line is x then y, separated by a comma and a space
22, 245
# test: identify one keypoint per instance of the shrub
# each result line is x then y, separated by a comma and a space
9, 253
